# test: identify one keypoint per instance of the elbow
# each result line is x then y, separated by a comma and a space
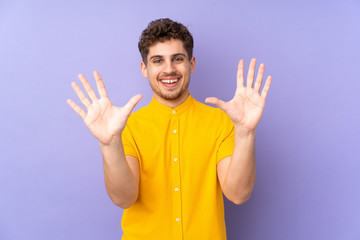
240, 197
123, 204
241, 200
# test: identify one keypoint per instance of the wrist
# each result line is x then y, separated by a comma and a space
114, 142
244, 132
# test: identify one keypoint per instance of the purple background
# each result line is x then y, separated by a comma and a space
307, 145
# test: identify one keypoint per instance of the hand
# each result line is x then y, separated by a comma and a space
105, 121
247, 106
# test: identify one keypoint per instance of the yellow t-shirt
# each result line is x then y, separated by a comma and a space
180, 196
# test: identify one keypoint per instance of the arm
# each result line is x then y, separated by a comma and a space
121, 175
237, 173
106, 122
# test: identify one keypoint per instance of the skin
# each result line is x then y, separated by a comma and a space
169, 61
237, 173
106, 122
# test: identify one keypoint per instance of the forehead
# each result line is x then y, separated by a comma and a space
167, 48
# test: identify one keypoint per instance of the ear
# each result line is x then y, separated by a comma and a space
143, 69
192, 64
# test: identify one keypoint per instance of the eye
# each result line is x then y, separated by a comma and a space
157, 61
178, 59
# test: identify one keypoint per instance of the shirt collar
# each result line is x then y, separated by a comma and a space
159, 107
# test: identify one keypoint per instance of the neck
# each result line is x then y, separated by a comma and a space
172, 103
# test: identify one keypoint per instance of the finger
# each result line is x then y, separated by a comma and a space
132, 103
76, 108
251, 73
259, 77
84, 100
266, 88
89, 90
100, 85
217, 102
240, 74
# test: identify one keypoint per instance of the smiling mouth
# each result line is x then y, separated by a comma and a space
170, 83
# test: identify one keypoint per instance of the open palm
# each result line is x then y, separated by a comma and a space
247, 106
104, 120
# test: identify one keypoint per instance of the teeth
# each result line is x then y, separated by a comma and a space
169, 81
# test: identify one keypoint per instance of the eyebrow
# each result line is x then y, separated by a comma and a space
160, 56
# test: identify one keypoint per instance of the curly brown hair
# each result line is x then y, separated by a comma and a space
162, 30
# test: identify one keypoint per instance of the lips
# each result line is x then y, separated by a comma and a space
170, 81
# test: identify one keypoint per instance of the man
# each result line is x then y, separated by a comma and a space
168, 163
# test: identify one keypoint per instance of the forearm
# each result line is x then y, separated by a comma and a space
120, 182
241, 173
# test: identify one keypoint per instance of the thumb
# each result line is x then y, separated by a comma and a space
132, 103
217, 102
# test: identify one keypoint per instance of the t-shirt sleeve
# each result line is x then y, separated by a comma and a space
226, 146
129, 143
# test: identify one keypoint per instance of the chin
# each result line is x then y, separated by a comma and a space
171, 97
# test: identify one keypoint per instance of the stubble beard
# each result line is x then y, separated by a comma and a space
171, 94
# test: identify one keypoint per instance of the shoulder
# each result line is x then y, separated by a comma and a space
214, 117
209, 111
140, 112
138, 117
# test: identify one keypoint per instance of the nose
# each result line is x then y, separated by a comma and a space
169, 67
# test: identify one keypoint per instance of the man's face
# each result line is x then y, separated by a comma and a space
168, 70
